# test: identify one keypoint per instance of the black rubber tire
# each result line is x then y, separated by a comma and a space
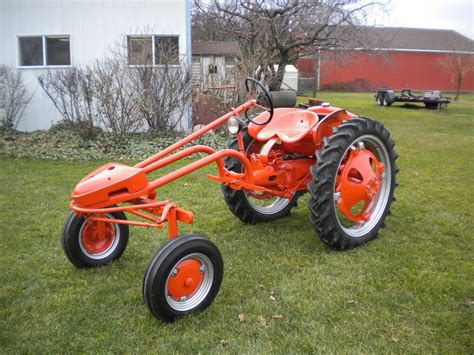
236, 199
322, 204
386, 100
432, 105
154, 280
71, 245
379, 99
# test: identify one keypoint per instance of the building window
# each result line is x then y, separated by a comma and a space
58, 50
153, 50
166, 49
140, 50
41, 51
212, 69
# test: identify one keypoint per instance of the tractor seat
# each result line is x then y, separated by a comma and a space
290, 127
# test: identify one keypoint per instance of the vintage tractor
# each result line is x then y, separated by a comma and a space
345, 162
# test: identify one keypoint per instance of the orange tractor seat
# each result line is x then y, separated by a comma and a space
290, 127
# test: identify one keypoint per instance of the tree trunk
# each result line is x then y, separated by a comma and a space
458, 87
275, 84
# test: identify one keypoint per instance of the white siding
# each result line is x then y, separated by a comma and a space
94, 27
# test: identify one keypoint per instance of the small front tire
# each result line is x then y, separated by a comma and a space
183, 277
86, 247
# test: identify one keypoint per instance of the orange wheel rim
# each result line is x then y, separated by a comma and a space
96, 242
358, 183
185, 278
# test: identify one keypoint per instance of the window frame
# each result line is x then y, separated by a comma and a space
43, 41
153, 49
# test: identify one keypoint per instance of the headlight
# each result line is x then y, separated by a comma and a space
233, 125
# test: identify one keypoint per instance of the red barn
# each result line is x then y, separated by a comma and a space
403, 58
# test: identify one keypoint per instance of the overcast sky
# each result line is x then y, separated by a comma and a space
446, 14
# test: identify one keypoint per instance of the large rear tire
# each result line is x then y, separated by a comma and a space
245, 205
353, 184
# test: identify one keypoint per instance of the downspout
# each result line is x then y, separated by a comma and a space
189, 58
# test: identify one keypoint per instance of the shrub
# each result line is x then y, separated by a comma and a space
14, 98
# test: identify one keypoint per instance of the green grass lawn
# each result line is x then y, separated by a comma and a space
411, 290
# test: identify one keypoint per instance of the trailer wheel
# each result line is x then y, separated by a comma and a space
378, 99
353, 184
183, 277
86, 246
386, 100
246, 205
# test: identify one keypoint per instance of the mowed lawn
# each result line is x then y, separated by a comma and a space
411, 290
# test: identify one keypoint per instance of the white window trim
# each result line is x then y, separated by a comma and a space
43, 38
153, 35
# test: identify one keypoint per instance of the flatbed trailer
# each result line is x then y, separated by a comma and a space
431, 99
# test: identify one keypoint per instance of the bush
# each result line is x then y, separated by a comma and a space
63, 141
14, 98
351, 86
119, 98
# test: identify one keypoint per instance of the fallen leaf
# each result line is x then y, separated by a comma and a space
223, 343
261, 319
277, 316
242, 317
395, 339
272, 295
352, 302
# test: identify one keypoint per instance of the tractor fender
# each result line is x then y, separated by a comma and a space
325, 126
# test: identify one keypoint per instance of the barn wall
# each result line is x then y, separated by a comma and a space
395, 70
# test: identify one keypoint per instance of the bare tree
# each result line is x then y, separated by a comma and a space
71, 91
116, 100
123, 91
459, 62
165, 88
275, 32
14, 98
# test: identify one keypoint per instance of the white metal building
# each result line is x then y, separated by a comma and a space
37, 36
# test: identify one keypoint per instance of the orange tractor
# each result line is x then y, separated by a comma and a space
345, 162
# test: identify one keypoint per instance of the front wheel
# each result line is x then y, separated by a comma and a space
353, 183
86, 244
183, 277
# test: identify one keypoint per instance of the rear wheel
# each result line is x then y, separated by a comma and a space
183, 277
86, 244
250, 206
353, 184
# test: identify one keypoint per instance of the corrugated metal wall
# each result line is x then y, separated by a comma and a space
94, 26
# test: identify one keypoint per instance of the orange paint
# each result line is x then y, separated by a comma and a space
269, 168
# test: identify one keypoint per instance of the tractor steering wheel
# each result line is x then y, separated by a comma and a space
267, 96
